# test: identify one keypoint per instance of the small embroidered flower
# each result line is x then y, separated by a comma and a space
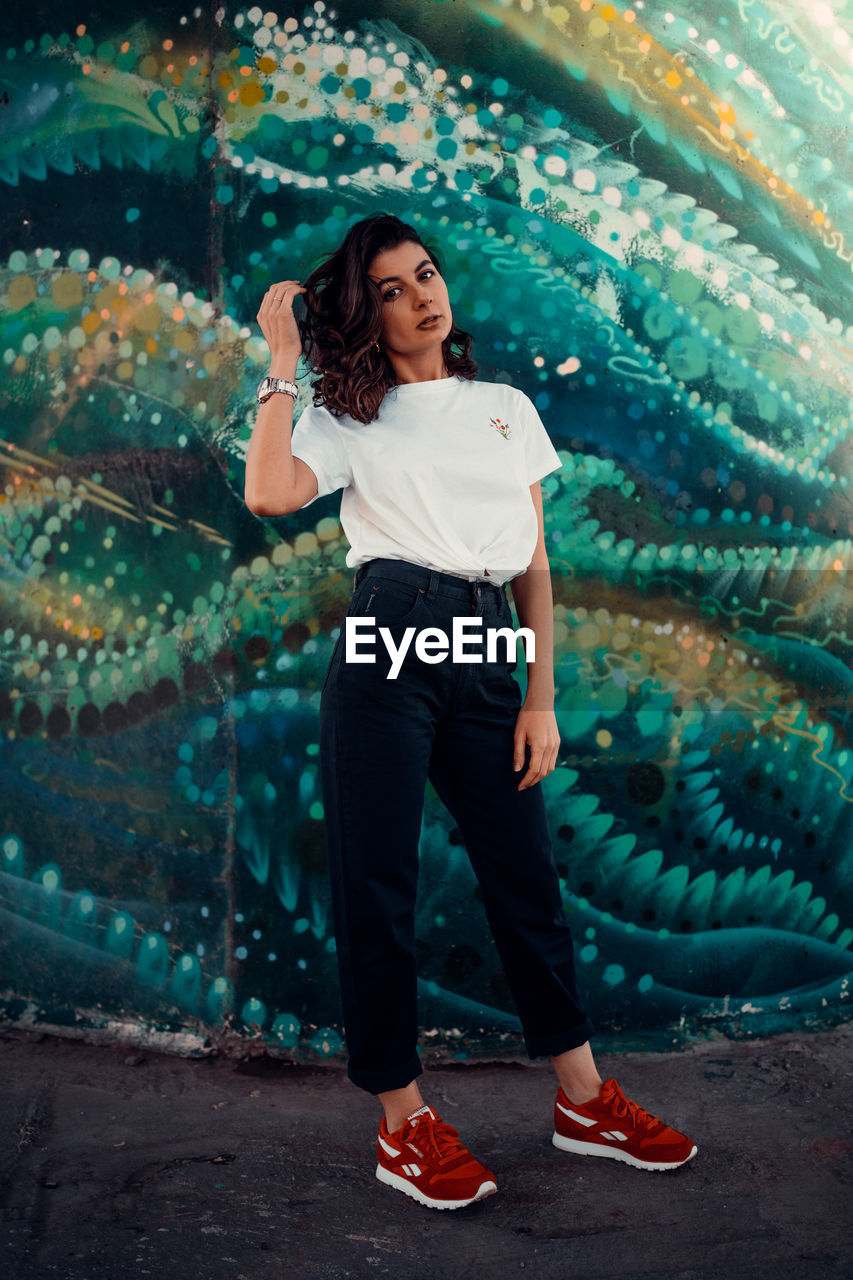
505, 430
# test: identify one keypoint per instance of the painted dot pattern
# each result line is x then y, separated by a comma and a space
662, 260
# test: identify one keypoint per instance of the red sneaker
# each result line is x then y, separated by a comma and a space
612, 1125
425, 1159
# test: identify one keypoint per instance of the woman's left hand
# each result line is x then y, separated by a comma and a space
538, 729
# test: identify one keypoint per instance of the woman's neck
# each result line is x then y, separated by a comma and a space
427, 368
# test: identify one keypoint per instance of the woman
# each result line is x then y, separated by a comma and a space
442, 508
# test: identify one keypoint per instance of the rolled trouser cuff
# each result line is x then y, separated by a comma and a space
381, 1081
560, 1041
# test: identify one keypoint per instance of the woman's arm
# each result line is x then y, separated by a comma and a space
534, 604
276, 482
536, 725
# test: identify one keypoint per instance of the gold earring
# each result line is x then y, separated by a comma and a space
376, 345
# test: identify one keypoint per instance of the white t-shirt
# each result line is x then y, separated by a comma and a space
441, 477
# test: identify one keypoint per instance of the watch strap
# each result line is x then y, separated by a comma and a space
270, 385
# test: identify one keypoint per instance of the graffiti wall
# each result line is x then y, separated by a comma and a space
644, 214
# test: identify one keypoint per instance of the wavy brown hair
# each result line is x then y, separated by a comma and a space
344, 320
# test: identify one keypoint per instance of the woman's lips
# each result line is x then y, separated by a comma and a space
428, 324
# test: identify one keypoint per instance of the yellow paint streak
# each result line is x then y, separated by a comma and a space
101, 496
656, 70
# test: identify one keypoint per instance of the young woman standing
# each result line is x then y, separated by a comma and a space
442, 507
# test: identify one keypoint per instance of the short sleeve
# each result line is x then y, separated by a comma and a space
317, 440
541, 458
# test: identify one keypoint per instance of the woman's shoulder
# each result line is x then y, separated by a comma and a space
504, 392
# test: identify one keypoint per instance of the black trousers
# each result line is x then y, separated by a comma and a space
380, 739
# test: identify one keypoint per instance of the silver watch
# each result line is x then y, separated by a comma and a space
268, 386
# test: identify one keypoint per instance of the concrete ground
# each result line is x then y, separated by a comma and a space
119, 1163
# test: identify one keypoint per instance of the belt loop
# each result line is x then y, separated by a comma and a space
432, 586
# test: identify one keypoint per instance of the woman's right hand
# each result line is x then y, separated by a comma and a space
277, 321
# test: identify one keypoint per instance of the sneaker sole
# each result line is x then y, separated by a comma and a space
593, 1149
487, 1188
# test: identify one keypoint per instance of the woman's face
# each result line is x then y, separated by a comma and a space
415, 307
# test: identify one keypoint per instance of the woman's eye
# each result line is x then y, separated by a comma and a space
392, 292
